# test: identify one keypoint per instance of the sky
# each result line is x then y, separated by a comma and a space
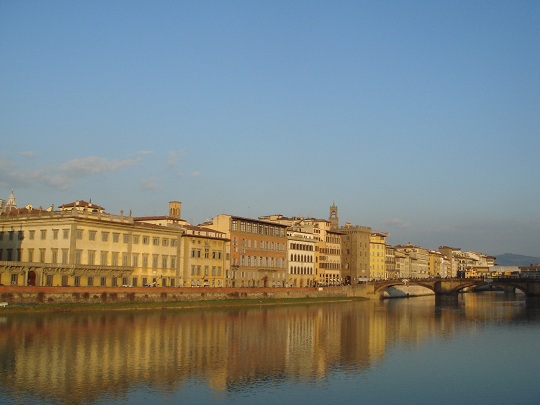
417, 118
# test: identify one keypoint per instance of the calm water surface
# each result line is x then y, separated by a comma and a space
482, 348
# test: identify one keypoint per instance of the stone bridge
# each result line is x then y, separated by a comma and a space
447, 286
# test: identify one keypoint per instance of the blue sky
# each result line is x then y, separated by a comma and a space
419, 118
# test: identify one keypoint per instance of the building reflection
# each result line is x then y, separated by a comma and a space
79, 358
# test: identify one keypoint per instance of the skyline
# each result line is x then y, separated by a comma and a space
417, 119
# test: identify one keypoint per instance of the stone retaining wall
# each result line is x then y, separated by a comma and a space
93, 295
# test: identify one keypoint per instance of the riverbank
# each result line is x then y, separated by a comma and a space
65, 299
179, 305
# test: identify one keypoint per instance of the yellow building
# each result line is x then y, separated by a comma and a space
82, 245
377, 255
206, 257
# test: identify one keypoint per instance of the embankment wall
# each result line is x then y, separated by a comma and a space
14, 295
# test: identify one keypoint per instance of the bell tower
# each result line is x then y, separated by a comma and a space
174, 209
334, 221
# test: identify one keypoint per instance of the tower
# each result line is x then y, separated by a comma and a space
174, 209
334, 221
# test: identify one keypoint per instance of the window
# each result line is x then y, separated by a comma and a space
126, 238
155, 241
135, 260
78, 254
104, 236
65, 280
79, 233
90, 281
30, 255
104, 257
31, 235
77, 281
173, 243
115, 237
65, 256
173, 262
136, 239
155, 261
92, 235
91, 257
145, 240
55, 233
114, 259
165, 242
42, 255
65, 233
49, 280
125, 260
164, 260
103, 281
43, 234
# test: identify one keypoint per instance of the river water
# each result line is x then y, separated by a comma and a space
480, 348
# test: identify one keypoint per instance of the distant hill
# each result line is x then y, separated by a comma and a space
510, 259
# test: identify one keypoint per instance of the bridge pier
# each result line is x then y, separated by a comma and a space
447, 300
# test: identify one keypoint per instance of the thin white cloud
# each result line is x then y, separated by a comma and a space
29, 154
174, 156
95, 164
63, 176
397, 223
149, 184
196, 174
144, 152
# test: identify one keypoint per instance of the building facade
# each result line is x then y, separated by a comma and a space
258, 250
377, 256
81, 245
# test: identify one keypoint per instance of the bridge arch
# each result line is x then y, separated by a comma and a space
381, 287
508, 283
438, 286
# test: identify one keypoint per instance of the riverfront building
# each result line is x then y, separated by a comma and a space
377, 256
418, 260
356, 252
80, 244
327, 249
258, 250
205, 254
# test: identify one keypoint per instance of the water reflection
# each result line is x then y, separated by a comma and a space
84, 357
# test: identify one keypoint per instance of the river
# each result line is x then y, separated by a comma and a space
480, 348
